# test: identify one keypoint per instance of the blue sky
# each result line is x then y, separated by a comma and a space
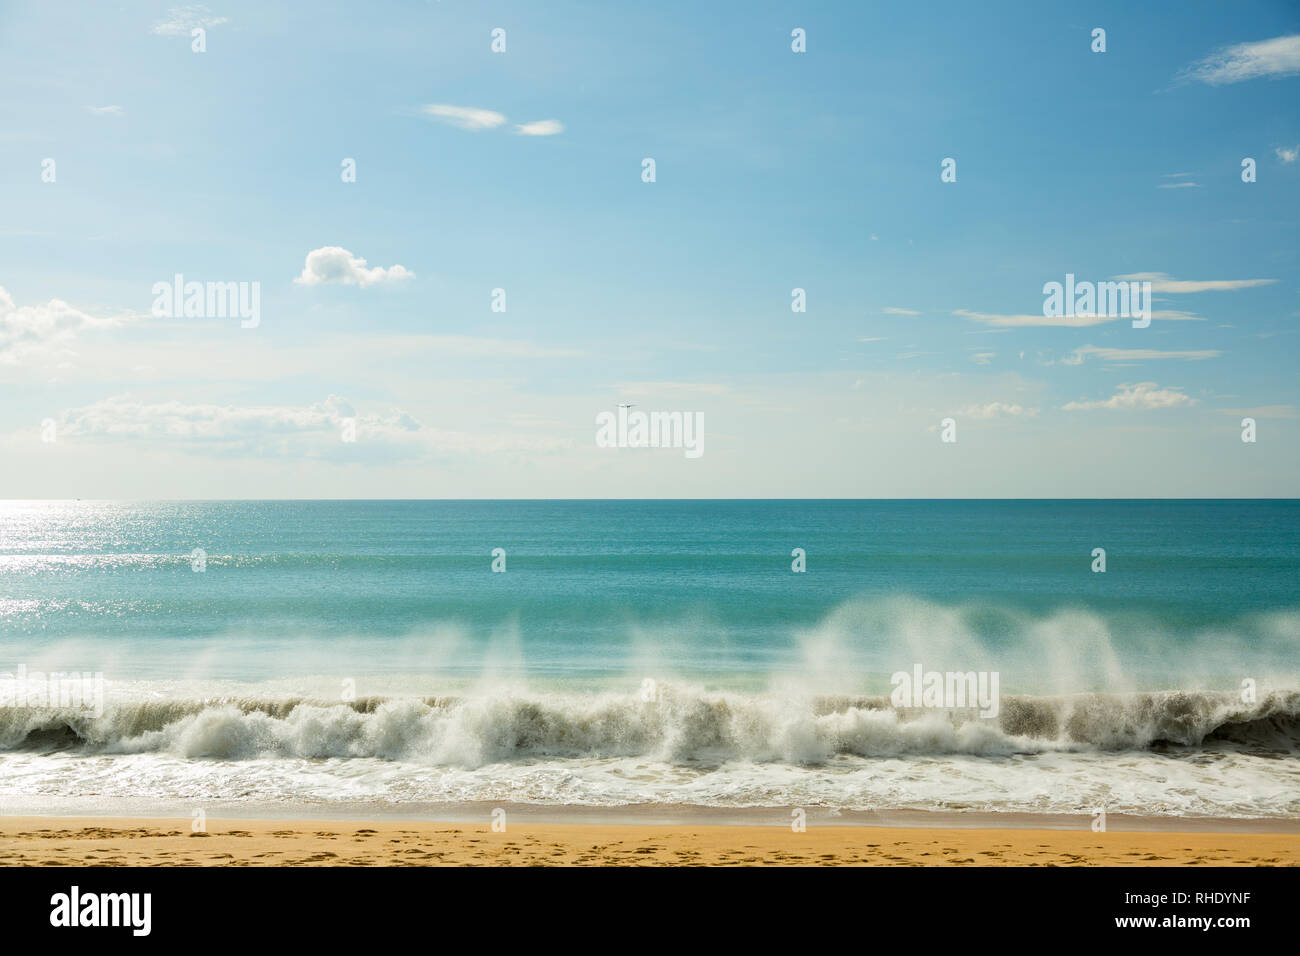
775, 170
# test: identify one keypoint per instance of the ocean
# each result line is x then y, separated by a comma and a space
331, 655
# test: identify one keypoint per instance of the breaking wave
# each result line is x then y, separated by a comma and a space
682, 726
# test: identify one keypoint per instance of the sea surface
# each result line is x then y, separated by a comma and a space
304, 655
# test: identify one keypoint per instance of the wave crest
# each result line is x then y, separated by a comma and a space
683, 726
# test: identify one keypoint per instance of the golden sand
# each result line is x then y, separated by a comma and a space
152, 842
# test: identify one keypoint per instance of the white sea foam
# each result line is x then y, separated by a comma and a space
1172, 752
819, 731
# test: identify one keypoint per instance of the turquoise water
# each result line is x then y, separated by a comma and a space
588, 584
657, 651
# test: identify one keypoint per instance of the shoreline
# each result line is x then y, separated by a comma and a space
638, 814
470, 813
124, 841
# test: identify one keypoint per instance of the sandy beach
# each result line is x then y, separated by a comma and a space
61, 841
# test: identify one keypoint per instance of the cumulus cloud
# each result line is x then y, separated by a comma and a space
1288, 154
1161, 282
540, 128
1143, 395
1279, 56
465, 117
181, 20
334, 265
32, 332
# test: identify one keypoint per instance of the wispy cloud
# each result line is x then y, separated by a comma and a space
1288, 154
181, 20
465, 117
997, 410
894, 310
467, 346
1186, 184
1130, 355
548, 127
1279, 56
1070, 321
1263, 411
106, 110
476, 120
989, 318
671, 388
296, 431
1142, 395
334, 265
1161, 282
983, 358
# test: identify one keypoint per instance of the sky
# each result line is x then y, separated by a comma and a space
499, 152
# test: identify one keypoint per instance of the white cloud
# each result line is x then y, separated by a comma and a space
1071, 321
1160, 282
1125, 355
1288, 154
983, 358
1183, 185
334, 265
548, 127
124, 417
181, 20
300, 431
1143, 395
466, 346
1279, 56
894, 310
465, 117
106, 110
1263, 411
44, 332
640, 389
997, 410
